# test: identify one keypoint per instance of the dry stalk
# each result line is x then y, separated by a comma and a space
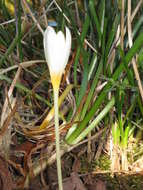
117, 39
44, 12
9, 103
130, 45
89, 152
5, 106
32, 16
22, 64
122, 25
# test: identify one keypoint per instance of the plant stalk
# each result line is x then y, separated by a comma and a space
57, 137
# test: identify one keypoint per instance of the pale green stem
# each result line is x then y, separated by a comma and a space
57, 136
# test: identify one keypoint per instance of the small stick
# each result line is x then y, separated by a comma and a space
32, 16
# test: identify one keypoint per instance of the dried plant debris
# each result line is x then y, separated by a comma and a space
6, 181
100, 96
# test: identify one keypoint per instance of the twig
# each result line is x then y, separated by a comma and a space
7, 22
22, 64
32, 16
136, 9
9, 95
45, 17
89, 156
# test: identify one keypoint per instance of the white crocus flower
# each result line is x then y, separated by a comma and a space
57, 50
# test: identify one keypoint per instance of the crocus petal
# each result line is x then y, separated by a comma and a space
67, 45
59, 53
49, 38
57, 49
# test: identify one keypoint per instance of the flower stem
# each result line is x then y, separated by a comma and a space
57, 136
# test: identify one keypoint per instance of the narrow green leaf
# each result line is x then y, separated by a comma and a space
83, 134
85, 72
9, 50
137, 45
95, 19
111, 35
92, 89
126, 137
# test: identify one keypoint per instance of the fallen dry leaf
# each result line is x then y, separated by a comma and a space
73, 183
99, 185
5, 177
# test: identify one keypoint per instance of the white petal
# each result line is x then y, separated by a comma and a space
49, 41
68, 45
57, 49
